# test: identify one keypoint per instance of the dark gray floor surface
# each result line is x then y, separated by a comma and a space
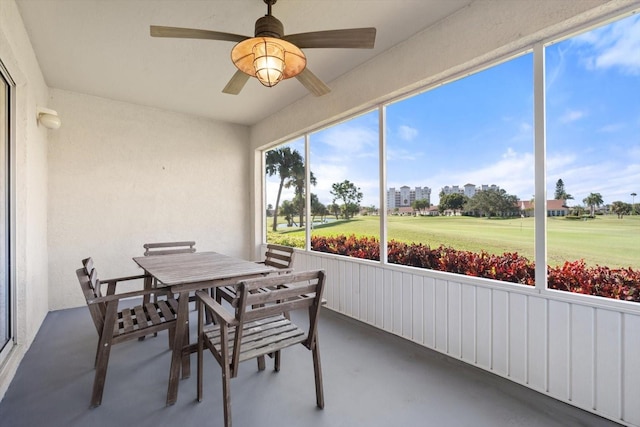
371, 379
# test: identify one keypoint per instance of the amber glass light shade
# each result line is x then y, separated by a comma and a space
268, 59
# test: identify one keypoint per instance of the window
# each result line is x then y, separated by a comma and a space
458, 190
460, 174
285, 194
593, 158
344, 161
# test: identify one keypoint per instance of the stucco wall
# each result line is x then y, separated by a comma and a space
121, 175
30, 184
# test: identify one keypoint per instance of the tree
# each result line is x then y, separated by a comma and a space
420, 205
371, 210
621, 208
560, 193
493, 203
317, 208
454, 202
350, 196
289, 212
297, 181
334, 209
593, 200
282, 162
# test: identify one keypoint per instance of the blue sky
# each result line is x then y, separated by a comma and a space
479, 129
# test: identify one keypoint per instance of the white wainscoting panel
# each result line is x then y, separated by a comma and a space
584, 353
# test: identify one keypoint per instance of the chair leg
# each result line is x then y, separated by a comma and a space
200, 363
261, 364
172, 332
102, 354
276, 361
226, 394
318, 374
100, 376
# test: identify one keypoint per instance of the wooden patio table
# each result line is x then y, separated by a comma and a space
184, 273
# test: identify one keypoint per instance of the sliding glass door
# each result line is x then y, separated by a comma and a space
6, 314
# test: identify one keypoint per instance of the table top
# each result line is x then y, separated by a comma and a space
197, 267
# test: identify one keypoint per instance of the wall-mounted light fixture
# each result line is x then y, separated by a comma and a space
48, 118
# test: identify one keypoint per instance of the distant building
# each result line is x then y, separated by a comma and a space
454, 189
468, 190
554, 208
405, 196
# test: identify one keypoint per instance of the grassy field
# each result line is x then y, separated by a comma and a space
604, 240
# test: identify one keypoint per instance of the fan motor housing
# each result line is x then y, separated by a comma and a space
269, 26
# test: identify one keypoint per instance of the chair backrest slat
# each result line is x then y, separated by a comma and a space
279, 256
269, 296
97, 311
169, 248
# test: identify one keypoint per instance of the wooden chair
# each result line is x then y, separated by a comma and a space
276, 256
168, 248
115, 326
258, 326
279, 256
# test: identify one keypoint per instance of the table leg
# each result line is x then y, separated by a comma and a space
148, 284
181, 335
145, 299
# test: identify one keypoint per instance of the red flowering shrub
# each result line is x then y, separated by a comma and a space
509, 267
622, 283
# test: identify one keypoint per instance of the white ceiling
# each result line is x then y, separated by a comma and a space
103, 47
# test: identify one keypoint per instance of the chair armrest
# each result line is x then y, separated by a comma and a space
113, 297
112, 283
123, 279
218, 311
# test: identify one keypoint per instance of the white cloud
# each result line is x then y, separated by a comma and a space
407, 133
612, 128
559, 162
572, 116
525, 127
402, 154
513, 172
350, 140
614, 46
607, 178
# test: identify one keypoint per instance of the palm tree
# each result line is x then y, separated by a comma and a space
593, 200
282, 161
297, 181
620, 208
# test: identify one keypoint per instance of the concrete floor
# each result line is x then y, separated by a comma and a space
371, 379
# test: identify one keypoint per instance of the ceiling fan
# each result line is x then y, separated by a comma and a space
272, 56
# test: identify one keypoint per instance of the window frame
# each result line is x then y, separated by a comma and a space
537, 48
10, 220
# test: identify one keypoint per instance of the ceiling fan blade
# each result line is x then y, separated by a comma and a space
192, 33
355, 38
313, 83
236, 83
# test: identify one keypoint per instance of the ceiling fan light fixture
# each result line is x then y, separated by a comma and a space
268, 62
268, 59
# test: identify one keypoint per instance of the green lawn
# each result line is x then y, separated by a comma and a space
604, 240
